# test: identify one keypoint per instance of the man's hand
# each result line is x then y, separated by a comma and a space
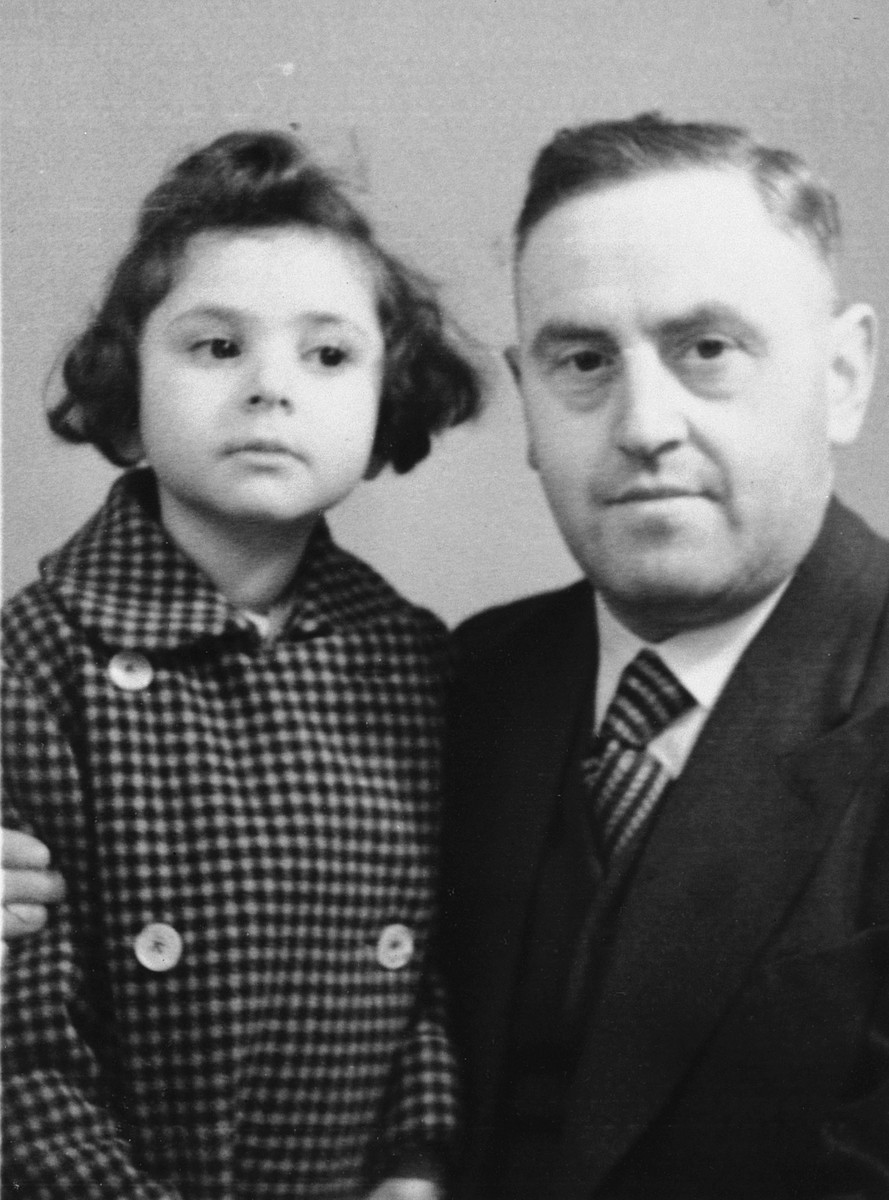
406, 1189
28, 885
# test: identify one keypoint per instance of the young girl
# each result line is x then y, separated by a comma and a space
226, 729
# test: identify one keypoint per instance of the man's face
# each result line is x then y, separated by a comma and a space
683, 379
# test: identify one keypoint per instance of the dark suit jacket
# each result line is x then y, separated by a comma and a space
737, 1038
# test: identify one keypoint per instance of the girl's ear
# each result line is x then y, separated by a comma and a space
851, 371
130, 445
374, 467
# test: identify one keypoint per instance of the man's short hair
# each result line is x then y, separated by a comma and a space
592, 157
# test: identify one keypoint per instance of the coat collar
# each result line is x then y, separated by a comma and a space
124, 580
731, 849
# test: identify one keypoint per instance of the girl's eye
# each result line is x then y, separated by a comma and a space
329, 356
217, 347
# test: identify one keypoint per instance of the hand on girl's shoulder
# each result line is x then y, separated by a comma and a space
406, 1189
28, 885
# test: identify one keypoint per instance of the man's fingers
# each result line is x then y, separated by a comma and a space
21, 919
22, 851
32, 887
405, 1189
27, 884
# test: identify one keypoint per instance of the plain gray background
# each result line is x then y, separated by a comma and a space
435, 109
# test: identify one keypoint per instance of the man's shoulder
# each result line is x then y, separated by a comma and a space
844, 525
506, 627
836, 609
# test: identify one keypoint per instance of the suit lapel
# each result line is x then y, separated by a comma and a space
729, 850
545, 689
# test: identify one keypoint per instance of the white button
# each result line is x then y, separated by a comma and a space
130, 671
395, 947
158, 947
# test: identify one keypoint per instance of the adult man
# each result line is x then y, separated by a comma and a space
669, 961
669, 945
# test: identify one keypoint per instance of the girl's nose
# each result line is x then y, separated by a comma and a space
268, 399
271, 378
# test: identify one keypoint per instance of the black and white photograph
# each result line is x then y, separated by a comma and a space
445, 689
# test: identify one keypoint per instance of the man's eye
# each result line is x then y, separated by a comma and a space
587, 361
708, 348
714, 364
583, 362
217, 347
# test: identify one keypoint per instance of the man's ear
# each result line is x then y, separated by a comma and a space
511, 354
851, 371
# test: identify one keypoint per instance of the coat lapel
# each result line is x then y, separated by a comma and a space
528, 727
730, 849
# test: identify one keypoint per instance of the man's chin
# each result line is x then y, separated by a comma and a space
657, 570
657, 604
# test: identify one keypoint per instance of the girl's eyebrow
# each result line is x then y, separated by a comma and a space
231, 315
212, 312
319, 319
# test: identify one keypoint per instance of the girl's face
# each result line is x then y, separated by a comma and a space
260, 376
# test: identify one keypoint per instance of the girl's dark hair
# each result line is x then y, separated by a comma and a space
254, 180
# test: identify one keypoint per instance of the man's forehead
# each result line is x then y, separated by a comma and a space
690, 191
683, 197
704, 227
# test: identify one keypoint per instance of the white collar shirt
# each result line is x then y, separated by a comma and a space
701, 659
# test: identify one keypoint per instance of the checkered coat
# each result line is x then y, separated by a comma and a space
275, 806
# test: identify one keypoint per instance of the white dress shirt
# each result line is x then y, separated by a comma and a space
701, 659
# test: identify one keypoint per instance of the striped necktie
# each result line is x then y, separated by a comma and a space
625, 782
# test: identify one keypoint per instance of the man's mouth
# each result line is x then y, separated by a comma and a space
649, 493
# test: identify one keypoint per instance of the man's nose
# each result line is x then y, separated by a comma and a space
650, 415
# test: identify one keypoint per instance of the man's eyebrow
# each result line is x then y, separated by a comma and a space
557, 333
704, 317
